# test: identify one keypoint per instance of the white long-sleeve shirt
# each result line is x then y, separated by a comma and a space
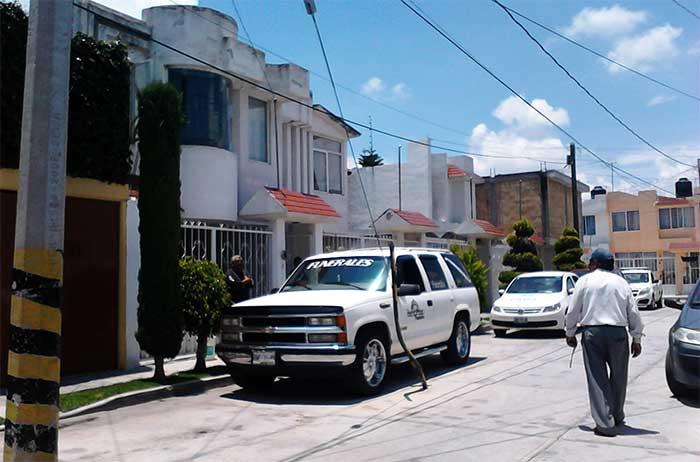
602, 298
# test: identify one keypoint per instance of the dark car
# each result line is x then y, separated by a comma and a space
683, 358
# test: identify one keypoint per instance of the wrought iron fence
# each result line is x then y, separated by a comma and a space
218, 243
439, 243
334, 241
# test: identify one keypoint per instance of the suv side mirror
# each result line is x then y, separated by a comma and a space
655, 281
409, 289
570, 291
501, 291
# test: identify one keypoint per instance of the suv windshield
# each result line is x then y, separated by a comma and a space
535, 285
636, 278
355, 273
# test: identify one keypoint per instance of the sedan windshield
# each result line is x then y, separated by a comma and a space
636, 278
360, 273
535, 285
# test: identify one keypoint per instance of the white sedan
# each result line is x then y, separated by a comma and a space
533, 301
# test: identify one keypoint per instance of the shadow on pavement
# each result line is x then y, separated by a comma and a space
334, 392
534, 334
623, 430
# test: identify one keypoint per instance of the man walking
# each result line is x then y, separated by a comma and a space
604, 308
239, 284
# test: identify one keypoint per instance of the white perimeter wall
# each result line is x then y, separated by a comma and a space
209, 178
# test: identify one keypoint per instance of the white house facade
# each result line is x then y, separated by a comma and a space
595, 226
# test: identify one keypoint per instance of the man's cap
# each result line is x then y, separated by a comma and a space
601, 256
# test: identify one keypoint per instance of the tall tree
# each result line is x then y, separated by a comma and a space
369, 157
522, 256
204, 297
568, 251
160, 320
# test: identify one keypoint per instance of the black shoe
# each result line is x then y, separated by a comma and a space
619, 422
600, 432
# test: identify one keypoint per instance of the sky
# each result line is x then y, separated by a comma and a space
391, 67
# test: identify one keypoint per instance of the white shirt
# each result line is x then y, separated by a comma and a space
602, 298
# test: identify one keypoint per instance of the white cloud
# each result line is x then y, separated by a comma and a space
372, 87
130, 7
513, 112
376, 88
645, 51
606, 21
660, 99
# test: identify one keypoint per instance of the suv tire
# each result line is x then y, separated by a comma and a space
368, 372
459, 344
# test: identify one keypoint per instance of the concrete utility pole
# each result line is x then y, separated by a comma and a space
574, 185
612, 175
400, 176
34, 364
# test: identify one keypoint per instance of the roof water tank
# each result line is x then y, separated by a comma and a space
598, 191
684, 188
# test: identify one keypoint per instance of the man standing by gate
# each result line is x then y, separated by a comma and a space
239, 284
604, 308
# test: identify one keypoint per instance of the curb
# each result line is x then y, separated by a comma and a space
142, 396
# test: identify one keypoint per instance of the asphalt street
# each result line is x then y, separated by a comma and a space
517, 400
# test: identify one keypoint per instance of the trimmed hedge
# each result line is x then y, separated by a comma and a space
568, 251
522, 256
98, 116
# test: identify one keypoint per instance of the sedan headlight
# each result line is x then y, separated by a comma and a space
644, 291
496, 308
549, 309
687, 335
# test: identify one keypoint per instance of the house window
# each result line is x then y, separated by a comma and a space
257, 130
683, 217
205, 103
589, 225
625, 221
328, 166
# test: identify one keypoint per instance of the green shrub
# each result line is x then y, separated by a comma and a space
522, 256
478, 271
160, 320
204, 297
568, 251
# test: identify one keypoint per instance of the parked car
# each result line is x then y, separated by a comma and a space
533, 301
335, 313
647, 291
683, 357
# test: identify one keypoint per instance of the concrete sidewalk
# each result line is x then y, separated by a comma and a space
101, 379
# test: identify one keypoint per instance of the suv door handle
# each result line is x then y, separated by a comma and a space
430, 303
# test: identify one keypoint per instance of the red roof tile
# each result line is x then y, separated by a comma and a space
489, 227
296, 202
662, 200
415, 218
455, 172
693, 245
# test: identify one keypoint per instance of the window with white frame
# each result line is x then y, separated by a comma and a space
328, 166
625, 221
257, 130
589, 225
681, 217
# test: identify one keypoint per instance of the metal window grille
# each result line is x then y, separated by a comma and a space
333, 242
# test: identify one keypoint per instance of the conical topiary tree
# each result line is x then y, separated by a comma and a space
370, 158
568, 251
522, 256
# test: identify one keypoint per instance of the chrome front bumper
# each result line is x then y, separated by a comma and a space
288, 355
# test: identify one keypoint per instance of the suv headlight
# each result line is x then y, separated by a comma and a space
687, 335
317, 321
549, 309
232, 322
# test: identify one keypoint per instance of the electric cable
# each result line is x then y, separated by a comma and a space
447, 37
602, 56
582, 87
687, 10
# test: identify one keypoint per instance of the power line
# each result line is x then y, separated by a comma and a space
323, 77
447, 37
582, 87
602, 56
688, 10
318, 109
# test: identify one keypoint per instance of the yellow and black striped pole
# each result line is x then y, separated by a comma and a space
34, 360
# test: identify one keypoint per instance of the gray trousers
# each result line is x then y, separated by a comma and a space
606, 347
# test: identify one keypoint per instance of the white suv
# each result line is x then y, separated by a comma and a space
335, 312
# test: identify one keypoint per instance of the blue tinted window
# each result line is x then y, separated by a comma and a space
205, 105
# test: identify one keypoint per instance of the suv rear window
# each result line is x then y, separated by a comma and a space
459, 272
436, 276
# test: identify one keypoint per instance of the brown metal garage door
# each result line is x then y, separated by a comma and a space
89, 340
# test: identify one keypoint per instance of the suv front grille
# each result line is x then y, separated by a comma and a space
274, 338
273, 322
